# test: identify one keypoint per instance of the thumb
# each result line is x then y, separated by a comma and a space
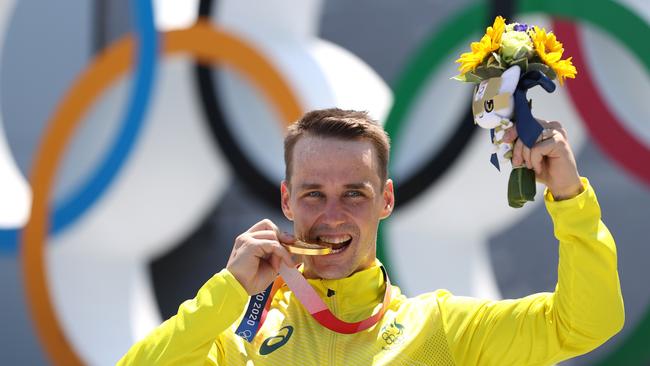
286, 238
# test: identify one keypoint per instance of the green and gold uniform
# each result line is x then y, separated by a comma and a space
434, 328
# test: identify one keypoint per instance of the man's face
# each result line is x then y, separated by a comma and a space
335, 197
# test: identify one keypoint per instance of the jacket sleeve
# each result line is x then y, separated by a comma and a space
584, 311
187, 337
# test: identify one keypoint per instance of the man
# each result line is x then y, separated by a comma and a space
336, 191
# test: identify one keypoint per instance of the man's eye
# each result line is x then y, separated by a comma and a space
353, 194
314, 194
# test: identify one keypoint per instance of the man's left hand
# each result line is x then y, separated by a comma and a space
551, 158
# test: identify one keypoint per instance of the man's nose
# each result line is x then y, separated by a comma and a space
333, 213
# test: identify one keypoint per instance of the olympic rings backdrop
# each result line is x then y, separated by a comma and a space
151, 135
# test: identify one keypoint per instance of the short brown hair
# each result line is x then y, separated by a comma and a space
342, 124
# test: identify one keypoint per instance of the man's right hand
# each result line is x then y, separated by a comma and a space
257, 254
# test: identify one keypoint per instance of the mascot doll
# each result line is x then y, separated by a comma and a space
505, 63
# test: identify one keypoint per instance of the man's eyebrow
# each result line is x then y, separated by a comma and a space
356, 185
306, 186
360, 185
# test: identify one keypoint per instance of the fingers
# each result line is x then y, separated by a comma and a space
249, 245
272, 251
510, 135
275, 262
263, 240
526, 156
555, 125
537, 161
518, 154
264, 234
533, 157
266, 229
265, 224
285, 237
541, 150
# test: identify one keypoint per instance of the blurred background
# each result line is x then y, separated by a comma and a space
138, 138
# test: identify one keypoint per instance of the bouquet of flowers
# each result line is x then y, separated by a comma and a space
507, 61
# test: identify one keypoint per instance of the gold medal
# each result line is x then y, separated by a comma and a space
304, 248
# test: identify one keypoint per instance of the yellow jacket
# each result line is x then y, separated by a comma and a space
435, 328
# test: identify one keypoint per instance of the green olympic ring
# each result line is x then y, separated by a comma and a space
604, 14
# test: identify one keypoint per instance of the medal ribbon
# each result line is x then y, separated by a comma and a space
251, 323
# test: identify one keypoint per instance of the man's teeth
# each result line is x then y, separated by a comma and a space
334, 239
338, 243
339, 250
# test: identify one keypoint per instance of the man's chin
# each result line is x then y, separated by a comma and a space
334, 275
327, 271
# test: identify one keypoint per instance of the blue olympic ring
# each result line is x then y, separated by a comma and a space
68, 211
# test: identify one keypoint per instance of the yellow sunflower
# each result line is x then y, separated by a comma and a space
550, 51
490, 42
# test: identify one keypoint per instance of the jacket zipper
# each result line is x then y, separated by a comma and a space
332, 358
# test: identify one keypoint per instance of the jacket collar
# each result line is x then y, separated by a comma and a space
356, 295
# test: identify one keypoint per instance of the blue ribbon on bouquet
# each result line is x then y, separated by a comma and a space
527, 126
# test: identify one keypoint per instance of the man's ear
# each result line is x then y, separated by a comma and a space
284, 197
389, 199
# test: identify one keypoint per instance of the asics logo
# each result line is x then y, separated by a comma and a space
272, 343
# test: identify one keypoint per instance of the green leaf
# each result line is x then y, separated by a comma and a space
467, 78
521, 53
496, 66
536, 60
493, 60
551, 74
532, 66
459, 77
473, 78
543, 68
485, 73
522, 63
499, 60
521, 187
